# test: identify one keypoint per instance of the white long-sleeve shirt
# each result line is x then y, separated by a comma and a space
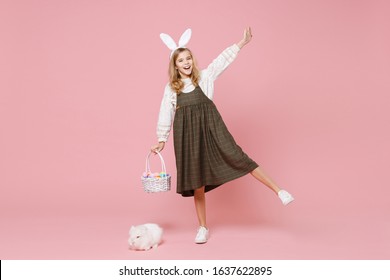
206, 83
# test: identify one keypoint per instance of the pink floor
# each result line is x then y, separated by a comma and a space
283, 234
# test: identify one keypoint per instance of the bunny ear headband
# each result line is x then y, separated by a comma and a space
170, 43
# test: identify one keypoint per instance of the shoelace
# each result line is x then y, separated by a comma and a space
201, 231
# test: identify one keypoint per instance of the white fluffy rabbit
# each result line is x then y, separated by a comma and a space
145, 237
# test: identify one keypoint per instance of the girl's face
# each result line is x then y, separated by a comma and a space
184, 64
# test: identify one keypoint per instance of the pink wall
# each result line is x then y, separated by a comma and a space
81, 84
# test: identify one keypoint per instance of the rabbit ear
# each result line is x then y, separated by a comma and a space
185, 38
168, 41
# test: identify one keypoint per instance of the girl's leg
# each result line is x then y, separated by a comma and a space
200, 206
284, 196
260, 175
202, 234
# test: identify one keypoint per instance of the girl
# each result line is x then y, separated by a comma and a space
207, 155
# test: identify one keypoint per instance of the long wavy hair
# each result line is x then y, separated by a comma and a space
174, 76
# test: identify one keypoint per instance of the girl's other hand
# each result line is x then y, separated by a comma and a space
246, 38
157, 148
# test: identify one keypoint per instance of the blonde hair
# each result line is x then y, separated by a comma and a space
174, 76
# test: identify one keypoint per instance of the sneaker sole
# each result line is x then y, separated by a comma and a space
288, 202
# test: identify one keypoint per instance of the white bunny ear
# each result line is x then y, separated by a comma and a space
185, 38
168, 41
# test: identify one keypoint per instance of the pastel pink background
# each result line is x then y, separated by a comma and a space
81, 84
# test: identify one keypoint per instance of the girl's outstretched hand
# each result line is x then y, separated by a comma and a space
246, 39
158, 148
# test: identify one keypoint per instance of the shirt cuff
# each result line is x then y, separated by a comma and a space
235, 48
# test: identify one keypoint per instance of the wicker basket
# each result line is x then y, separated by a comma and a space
155, 184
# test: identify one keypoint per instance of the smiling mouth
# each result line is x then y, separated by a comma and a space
187, 67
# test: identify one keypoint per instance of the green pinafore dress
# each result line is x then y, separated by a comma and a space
206, 153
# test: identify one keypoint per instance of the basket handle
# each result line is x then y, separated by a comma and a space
147, 166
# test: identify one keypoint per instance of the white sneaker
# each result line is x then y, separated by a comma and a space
202, 235
285, 197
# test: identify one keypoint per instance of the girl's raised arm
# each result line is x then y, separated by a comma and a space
219, 64
246, 39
